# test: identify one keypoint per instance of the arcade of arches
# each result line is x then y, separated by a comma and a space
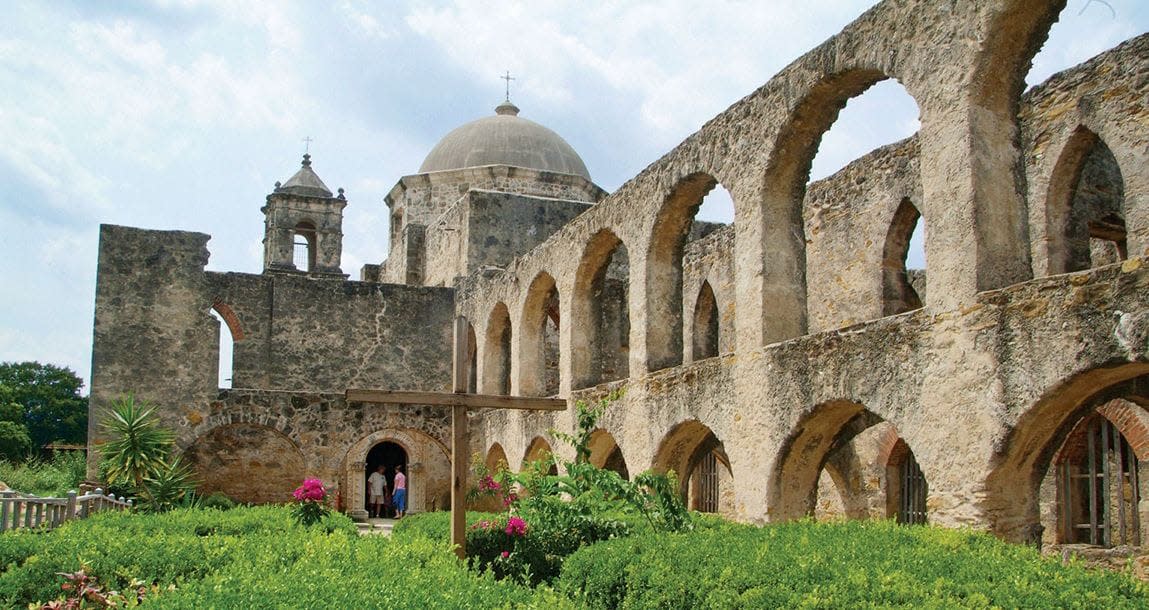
797, 358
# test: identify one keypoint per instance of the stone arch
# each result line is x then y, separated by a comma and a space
663, 290
230, 318
898, 294
496, 458
1001, 234
794, 478
497, 352
248, 462
1013, 486
1068, 228
605, 453
539, 449
428, 470
689, 448
538, 352
600, 316
781, 224
705, 340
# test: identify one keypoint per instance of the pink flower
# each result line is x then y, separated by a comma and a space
510, 499
488, 483
312, 490
516, 526
506, 554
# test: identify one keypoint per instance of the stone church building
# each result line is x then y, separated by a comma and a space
784, 365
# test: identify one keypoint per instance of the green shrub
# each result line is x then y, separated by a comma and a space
853, 564
15, 444
38, 477
435, 526
219, 501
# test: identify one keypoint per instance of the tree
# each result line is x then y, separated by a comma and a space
49, 396
14, 442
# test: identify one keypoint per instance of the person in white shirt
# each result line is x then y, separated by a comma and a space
377, 484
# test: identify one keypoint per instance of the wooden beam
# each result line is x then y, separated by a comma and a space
459, 480
445, 399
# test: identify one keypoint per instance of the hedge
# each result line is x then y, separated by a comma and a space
841, 565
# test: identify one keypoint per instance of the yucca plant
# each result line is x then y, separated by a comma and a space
169, 486
137, 447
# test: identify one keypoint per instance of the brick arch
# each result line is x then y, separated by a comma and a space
1027, 451
588, 343
249, 462
1130, 419
258, 417
496, 377
540, 306
230, 318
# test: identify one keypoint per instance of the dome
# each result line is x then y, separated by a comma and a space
504, 139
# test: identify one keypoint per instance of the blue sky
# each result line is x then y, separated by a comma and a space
182, 114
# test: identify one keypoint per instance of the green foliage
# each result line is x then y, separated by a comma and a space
250, 557
39, 477
15, 444
841, 565
434, 526
137, 446
566, 512
219, 501
49, 400
138, 454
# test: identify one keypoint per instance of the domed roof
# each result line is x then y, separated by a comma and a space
305, 182
504, 139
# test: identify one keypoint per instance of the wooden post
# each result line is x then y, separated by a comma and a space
459, 443
70, 513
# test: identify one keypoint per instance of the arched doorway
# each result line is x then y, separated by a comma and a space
389, 455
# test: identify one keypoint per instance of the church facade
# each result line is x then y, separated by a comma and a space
784, 365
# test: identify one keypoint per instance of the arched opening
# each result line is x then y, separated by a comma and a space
390, 456
1022, 490
1085, 214
699, 460
540, 451
497, 353
224, 314
606, 454
676, 246
539, 339
1099, 479
600, 313
906, 487
705, 344
847, 438
303, 246
902, 287
247, 462
496, 459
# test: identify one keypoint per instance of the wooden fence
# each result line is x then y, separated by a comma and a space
18, 510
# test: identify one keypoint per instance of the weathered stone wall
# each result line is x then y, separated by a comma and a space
257, 445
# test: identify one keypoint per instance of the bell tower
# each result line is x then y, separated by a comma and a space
303, 225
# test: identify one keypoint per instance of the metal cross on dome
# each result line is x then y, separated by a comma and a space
307, 145
507, 77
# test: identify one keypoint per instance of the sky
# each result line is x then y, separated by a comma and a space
182, 114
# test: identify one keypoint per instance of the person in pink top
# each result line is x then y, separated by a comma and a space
399, 498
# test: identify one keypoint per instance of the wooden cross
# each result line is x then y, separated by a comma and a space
459, 401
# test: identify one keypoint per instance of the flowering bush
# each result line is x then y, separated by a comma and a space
516, 527
311, 502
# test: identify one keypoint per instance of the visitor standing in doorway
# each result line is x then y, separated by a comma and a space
400, 497
377, 484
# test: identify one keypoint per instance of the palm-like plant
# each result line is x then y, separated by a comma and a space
169, 485
138, 447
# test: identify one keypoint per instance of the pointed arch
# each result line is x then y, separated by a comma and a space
538, 339
705, 340
497, 352
698, 458
600, 313
898, 295
605, 453
539, 449
1084, 203
663, 290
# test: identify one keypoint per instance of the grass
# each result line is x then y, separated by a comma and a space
45, 477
